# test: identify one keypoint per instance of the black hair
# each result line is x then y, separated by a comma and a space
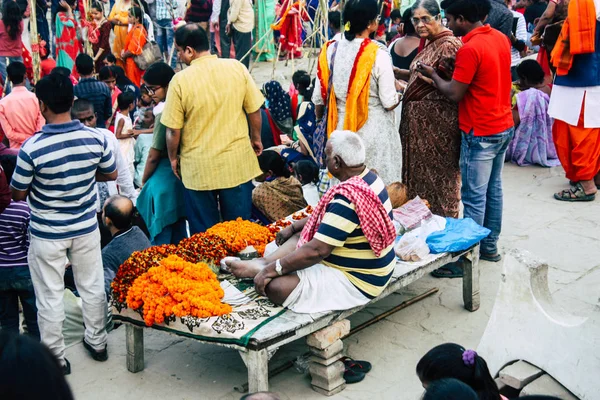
12, 18
71, 3
389, 36
28, 370
64, 71
122, 80
136, 12
125, 99
360, 14
531, 71
395, 14
96, 5
432, 6
335, 19
446, 361
193, 36
303, 83
81, 105
56, 92
144, 88
106, 73
16, 72
409, 28
308, 171
121, 219
472, 11
110, 57
84, 64
159, 74
449, 389
270, 160
9, 164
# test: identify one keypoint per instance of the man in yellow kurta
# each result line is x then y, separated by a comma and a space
207, 112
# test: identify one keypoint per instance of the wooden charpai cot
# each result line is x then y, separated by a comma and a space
290, 326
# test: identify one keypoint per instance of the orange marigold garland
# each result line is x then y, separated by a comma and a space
203, 247
177, 287
137, 264
240, 234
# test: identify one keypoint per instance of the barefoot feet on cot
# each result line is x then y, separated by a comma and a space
246, 269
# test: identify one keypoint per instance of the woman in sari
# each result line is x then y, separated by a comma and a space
134, 44
99, 35
119, 18
67, 44
160, 202
289, 26
279, 108
429, 125
363, 94
265, 49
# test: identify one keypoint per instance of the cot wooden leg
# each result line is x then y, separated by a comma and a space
471, 280
135, 348
257, 362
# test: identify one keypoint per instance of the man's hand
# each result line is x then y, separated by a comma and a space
215, 26
284, 235
257, 146
175, 167
228, 30
261, 280
425, 70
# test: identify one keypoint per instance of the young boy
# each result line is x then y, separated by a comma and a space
15, 279
124, 128
143, 144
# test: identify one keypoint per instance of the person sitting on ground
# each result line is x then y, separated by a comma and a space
110, 60
321, 260
15, 278
451, 360
20, 115
28, 370
306, 124
83, 110
117, 216
532, 143
307, 173
279, 108
449, 389
300, 84
47, 64
280, 194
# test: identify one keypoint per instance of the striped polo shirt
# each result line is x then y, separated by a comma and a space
352, 253
58, 166
14, 241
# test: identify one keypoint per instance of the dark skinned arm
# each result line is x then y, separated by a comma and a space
173, 139
452, 89
255, 120
19, 195
100, 177
151, 164
319, 111
545, 19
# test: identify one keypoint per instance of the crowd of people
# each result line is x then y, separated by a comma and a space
109, 155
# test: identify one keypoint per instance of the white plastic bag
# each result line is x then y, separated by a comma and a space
411, 248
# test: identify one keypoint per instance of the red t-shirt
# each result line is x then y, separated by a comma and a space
47, 66
483, 63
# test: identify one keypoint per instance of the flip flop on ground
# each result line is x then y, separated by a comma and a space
451, 270
575, 193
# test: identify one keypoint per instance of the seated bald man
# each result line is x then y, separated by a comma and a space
342, 255
117, 216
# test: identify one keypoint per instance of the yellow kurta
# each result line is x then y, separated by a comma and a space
209, 101
120, 11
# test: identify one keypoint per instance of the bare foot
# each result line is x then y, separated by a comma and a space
246, 269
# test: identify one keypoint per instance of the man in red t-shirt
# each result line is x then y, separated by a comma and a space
481, 84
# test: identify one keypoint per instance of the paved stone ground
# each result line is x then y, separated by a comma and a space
565, 234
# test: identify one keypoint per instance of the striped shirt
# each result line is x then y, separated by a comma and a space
352, 253
14, 241
58, 166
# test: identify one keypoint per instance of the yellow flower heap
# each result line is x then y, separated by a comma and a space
177, 287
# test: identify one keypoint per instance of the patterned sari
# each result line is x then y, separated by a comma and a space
136, 39
429, 132
67, 44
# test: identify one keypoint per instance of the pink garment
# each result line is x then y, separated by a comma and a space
9, 47
20, 116
375, 222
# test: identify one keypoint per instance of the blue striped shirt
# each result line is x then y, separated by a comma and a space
58, 166
14, 241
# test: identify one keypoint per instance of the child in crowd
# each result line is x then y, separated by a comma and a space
449, 389
143, 102
15, 279
307, 173
47, 64
143, 143
300, 84
110, 60
450, 360
124, 128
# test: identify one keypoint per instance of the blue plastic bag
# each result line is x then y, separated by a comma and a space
460, 234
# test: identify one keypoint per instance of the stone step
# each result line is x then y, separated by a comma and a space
547, 386
519, 374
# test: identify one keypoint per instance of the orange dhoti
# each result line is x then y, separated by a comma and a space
578, 149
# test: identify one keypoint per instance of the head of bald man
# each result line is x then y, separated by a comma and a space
117, 213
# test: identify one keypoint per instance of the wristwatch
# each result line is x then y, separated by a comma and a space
278, 268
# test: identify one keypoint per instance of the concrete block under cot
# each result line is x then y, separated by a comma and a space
328, 336
331, 372
547, 386
335, 348
519, 374
325, 362
329, 392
